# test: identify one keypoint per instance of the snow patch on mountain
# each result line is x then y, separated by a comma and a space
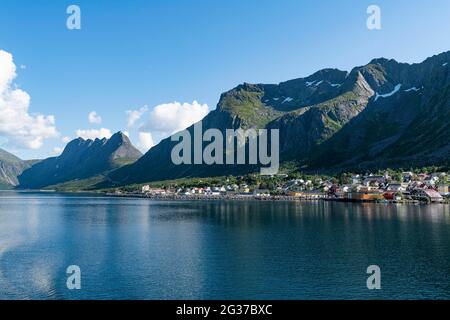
412, 89
386, 95
288, 99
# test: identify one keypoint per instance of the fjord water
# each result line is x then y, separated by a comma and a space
142, 249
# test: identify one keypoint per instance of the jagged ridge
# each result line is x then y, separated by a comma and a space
382, 113
81, 159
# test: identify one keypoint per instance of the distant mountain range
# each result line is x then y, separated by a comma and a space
81, 159
383, 114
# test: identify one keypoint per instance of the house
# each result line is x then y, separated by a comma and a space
423, 176
396, 187
364, 189
364, 196
392, 195
261, 193
347, 187
356, 179
429, 195
155, 191
326, 186
407, 176
431, 180
374, 180
198, 190
314, 194
438, 175
444, 189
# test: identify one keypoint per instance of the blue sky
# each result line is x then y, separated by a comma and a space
134, 53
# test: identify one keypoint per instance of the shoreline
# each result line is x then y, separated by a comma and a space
260, 198
240, 197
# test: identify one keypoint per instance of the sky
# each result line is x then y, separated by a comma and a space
150, 68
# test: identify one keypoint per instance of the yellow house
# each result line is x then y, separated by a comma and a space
444, 189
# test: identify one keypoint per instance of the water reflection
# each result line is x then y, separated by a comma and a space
136, 248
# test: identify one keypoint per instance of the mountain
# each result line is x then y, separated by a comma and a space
284, 106
406, 124
81, 159
382, 114
10, 168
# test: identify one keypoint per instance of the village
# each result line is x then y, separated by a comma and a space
405, 187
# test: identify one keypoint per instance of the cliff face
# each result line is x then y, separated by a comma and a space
10, 168
405, 124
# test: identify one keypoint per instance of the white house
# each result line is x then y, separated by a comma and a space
396, 187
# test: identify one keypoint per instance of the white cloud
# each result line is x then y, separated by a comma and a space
135, 115
145, 141
94, 133
57, 151
17, 125
66, 139
93, 117
169, 118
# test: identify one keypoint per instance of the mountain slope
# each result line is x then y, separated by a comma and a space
10, 168
308, 109
377, 115
304, 129
406, 124
81, 159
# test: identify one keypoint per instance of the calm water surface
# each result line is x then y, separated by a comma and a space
141, 249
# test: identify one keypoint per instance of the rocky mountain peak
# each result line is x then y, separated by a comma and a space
81, 159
